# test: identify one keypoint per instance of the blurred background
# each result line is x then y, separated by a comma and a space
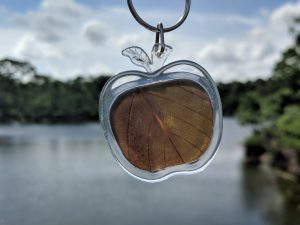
55, 165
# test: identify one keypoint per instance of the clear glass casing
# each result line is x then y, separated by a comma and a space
157, 75
180, 71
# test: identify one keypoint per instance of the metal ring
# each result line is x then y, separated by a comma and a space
155, 29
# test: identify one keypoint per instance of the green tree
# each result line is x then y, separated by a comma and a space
276, 107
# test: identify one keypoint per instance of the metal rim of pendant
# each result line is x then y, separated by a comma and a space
156, 29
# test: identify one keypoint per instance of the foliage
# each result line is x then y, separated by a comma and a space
278, 103
27, 96
43, 99
229, 94
288, 128
277, 108
268, 102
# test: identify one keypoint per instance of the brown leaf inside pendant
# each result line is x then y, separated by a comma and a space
163, 125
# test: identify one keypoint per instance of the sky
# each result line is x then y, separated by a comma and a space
233, 39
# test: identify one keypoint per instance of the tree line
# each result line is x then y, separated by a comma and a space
35, 98
29, 97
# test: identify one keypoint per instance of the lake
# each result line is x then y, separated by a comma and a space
65, 175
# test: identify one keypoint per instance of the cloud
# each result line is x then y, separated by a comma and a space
233, 19
29, 47
52, 19
95, 32
65, 7
46, 26
65, 38
253, 56
220, 52
285, 14
241, 60
96, 68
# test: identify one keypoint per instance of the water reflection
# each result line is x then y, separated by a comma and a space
262, 195
66, 175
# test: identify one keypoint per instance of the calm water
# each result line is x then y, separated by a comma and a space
65, 175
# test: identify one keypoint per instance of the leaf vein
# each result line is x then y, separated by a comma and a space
194, 93
187, 141
163, 127
128, 125
177, 103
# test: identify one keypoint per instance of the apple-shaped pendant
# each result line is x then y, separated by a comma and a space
162, 122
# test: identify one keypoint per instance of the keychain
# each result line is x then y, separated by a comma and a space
165, 121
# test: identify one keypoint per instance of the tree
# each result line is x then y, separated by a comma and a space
277, 108
12, 68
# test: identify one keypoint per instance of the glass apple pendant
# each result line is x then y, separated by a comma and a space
162, 122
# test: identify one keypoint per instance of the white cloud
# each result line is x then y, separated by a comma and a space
254, 55
66, 7
95, 69
134, 39
238, 60
225, 19
52, 20
31, 48
285, 14
95, 32
65, 38
45, 25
